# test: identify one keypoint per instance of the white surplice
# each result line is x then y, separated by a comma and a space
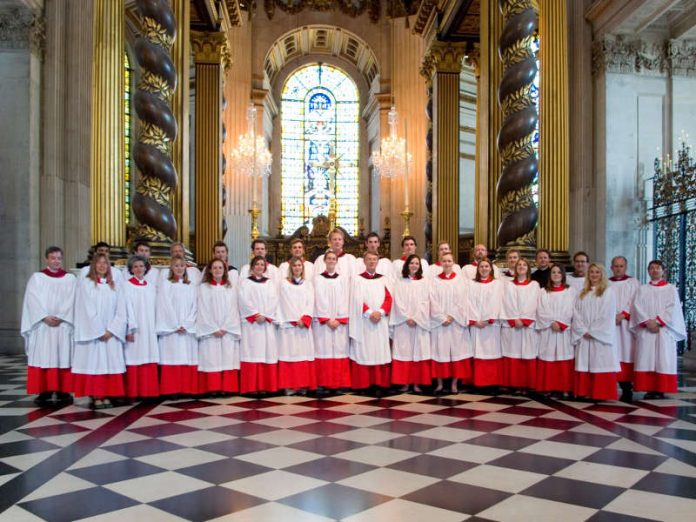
410, 301
259, 343
596, 316
578, 283
435, 270
271, 273
449, 297
398, 265
384, 267
625, 339
141, 302
98, 309
345, 265
556, 306
369, 342
520, 302
284, 270
296, 301
657, 352
331, 301
485, 304
217, 310
469, 271
177, 306
48, 346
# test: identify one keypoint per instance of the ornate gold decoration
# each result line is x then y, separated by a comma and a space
518, 149
349, 7
150, 233
155, 189
151, 134
518, 51
155, 84
517, 199
209, 47
154, 32
443, 57
518, 100
514, 7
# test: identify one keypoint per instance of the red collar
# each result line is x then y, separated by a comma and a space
367, 275
622, 278
343, 253
438, 263
442, 275
661, 282
329, 276
521, 283
487, 280
213, 282
558, 288
403, 258
58, 273
137, 282
474, 263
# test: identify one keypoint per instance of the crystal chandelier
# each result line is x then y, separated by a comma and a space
393, 161
252, 158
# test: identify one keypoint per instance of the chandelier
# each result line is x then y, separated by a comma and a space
394, 161
253, 159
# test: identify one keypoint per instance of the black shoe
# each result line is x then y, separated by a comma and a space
44, 399
627, 397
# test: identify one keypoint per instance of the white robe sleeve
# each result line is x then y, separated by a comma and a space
118, 324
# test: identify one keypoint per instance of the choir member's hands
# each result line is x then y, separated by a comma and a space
556, 327
130, 338
259, 319
375, 317
411, 322
448, 321
219, 333
301, 324
481, 324
333, 323
107, 335
519, 323
181, 330
652, 325
587, 335
52, 320
620, 317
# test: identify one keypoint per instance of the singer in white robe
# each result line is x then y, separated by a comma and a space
296, 368
625, 288
258, 304
485, 303
594, 338
450, 341
410, 325
177, 306
218, 328
330, 327
141, 349
371, 303
655, 367
519, 339
435, 269
100, 331
384, 267
47, 328
398, 265
554, 316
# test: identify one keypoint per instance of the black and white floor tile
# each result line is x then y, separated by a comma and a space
349, 457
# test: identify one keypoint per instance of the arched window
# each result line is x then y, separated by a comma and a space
320, 139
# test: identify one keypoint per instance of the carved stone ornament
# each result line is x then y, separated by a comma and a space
443, 57
618, 54
22, 29
682, 57
210, 47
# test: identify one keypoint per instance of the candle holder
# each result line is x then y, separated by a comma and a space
406, 215
255, 213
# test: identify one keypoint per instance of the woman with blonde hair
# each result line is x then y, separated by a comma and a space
593, 335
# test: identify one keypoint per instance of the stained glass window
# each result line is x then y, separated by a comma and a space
127, 134
320, 147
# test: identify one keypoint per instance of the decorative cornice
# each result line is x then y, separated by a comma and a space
426, 9
22, 29
444, 57
211, 48
619, 54
682, 57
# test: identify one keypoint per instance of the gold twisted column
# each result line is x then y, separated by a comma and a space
107, 192
181, 56
441, 65
517, 227
209, 52
489, 120
554, 153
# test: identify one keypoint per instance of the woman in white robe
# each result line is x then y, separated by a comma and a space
141, 349
330, 326
258, 303
218, 329
518, 338
450, 339
47, 328
100, 331
296, 368
594, 338
177, 305
443, 247
554, 316
410, 326
485, 303
658, 322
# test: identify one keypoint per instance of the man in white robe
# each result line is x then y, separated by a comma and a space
178, 250
103, 248
434, 270
142, 249
297, 249
581, 261
480, 253
371, 303
625, 288
259, 248
384, 265
408, 247
346, 262
47, 328
512, 256
221, 252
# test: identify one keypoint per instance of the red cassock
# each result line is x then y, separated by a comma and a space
625, 288
142, 354
520, 345
485, 302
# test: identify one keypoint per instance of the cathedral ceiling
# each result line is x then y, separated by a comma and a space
666, 19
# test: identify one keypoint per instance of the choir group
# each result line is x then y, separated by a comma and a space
344, 322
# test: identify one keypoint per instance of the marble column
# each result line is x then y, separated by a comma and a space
442, 64
209, 51
21, 46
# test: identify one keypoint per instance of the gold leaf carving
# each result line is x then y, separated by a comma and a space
518, 149
518, 100
517, 199
150, 233
155, 84
514, 7
151, 134
518, 51
155, 189
154, 32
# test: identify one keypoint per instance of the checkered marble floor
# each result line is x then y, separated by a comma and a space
402, 458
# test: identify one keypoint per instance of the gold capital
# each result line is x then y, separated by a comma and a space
211, 47
443, 57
